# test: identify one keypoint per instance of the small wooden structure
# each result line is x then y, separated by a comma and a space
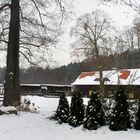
127, 78
56, 90
45, 89
41, 89
31, 89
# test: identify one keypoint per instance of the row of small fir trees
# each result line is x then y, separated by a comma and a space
93, 116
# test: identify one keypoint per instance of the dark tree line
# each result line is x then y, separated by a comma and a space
68, 74
62, 75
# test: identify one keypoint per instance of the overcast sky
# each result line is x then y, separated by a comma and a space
121, 16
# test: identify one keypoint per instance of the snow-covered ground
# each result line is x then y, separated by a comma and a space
37, 126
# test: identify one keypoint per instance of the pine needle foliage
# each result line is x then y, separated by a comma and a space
76, 109
137, 124
94, 113
62, 112
120, 117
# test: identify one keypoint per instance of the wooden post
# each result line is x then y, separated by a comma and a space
101, 81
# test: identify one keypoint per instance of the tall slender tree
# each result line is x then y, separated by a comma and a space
12, 88
27, 27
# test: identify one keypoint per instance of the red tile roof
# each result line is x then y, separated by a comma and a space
85, 74
124, 74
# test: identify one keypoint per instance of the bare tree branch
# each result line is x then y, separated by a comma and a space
131, 3
40, 27
40, 16
4, 41
5, 6
27, 58
91, 34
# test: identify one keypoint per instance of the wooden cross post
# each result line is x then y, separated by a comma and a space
101, 79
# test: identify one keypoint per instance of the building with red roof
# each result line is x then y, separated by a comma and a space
127, 78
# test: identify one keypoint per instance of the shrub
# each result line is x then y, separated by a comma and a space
137, 124
94, 113
62, 112
120, 117
76, 110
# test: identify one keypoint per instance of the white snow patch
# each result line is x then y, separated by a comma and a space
32, 126
6, 109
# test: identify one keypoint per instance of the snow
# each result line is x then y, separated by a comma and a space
6, 109
38, 126
114, 77
43, 85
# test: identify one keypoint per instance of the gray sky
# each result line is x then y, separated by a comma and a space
121, 16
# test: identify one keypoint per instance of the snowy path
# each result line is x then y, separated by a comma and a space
31, 126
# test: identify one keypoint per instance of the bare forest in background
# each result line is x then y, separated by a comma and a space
67, 74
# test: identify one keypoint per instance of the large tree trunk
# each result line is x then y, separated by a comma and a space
12, 86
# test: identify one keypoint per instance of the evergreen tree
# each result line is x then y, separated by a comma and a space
137, 124
107, 104
94, 113
62, 112
120, 116
76, 110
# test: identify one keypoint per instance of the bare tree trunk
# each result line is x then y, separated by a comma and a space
12, 86
100, 68
138, 37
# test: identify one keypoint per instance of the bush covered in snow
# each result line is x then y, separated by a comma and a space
137, 123
94, 113
8, 110
133, 109
108, 104
62, 112
76, 110
120, 118
115, 111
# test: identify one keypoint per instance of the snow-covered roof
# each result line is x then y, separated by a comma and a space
56, 85
45, 85
36, 85
114, 77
